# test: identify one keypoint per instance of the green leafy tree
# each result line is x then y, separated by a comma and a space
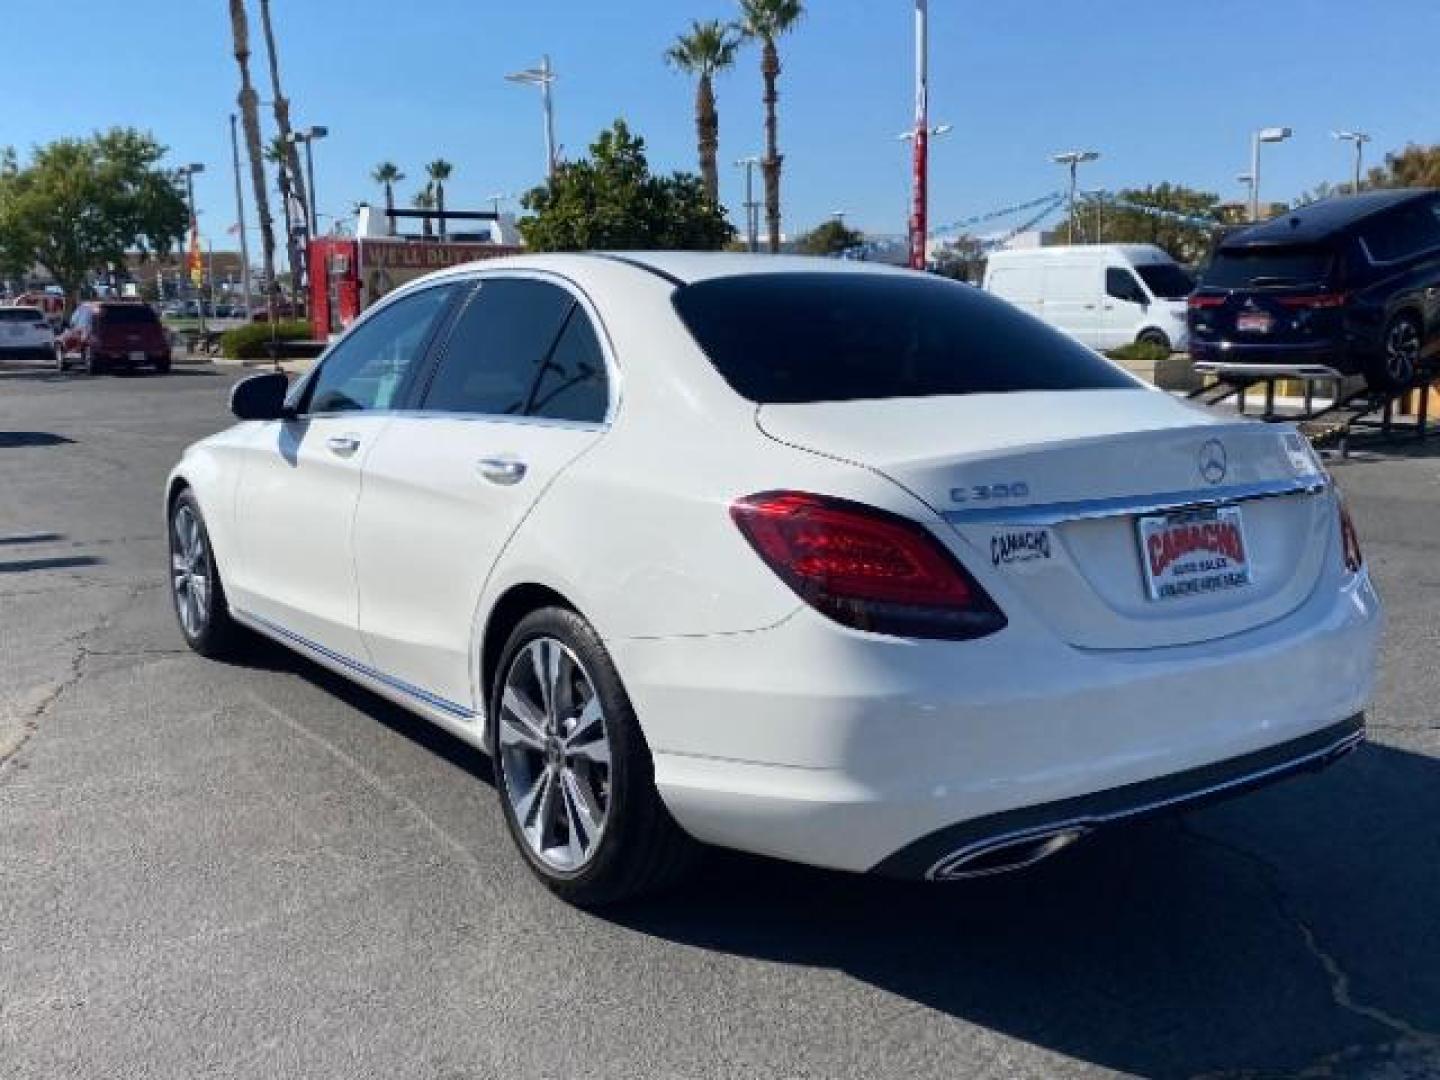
766, 21
831, 238
708, 49
81, 204
962, 258
1108, 223
611, 200
1415, 166
439, 171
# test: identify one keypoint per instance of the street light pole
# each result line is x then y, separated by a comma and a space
1073, 160
752, 208
919, 209
1359, 138
188, 172
240, 218
1264, 135
543, 77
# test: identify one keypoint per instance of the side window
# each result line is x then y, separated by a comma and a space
1403, 232
368, 368
1121, 285
521, 348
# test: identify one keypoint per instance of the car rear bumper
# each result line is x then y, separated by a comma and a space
1317, 358
822, 745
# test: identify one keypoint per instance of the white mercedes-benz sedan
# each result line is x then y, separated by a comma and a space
826, 561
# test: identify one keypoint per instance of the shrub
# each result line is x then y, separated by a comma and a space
250, 342
1139, 352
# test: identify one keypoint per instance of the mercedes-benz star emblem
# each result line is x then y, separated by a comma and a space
1213, 465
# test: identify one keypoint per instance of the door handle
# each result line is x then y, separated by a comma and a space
1089, 307
343, 445
504, 471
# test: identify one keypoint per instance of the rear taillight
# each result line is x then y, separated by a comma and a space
1318, 301
1196, 301
866, 568
1349, 541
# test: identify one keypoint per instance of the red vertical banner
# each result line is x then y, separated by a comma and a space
919, 226
196, 264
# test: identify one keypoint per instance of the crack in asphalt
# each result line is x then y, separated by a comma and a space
1335, 974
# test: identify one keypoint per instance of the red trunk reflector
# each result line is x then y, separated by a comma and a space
865, 567
1197, 301
1320, 300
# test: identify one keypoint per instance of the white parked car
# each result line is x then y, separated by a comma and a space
785, 555
26, 334
1103, 295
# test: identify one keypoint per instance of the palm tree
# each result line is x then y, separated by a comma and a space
708, 49
277, 153
439, 171
250, 119
424, 199
387, 175
765, 21
281, 105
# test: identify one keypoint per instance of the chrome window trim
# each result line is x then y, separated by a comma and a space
440, 414
613, 376
1126, 505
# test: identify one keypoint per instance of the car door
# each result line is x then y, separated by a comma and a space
1123, 309
520, 389
1072, 299
300, 481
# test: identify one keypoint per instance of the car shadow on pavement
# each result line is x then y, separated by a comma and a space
15, 440
1268, 933
59, 562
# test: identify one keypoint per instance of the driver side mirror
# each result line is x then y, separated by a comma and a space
261, 397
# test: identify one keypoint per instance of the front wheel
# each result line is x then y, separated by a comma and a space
1399, 358
1154, 337
195, 586
573, 772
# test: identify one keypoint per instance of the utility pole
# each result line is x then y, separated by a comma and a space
240, 218
543, 77
1264, 135
752, 208
1073, 159
1359, 138
919, 208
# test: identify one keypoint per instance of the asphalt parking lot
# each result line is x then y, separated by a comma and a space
215, 870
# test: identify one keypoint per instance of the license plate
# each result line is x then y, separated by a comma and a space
1193, 553
1254, 322
137, 357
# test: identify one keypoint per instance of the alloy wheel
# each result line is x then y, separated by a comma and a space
1402, 351
190, 571
555, 751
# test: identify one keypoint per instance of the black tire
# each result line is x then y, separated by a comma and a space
1398, 361
640, 849
1153, 337
215, 634
162, 367
92, 364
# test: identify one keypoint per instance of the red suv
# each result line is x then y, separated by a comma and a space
105, 335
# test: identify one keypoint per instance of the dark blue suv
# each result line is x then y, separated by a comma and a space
1348, 285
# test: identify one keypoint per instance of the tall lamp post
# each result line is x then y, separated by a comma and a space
1264, 135
1359, 138
308, 136
752, 208
240, 218
1073, 159
920, 195
543, 77
188, 172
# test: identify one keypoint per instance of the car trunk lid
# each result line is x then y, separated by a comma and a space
1054, 496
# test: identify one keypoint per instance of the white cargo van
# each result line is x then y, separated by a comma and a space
1106, 295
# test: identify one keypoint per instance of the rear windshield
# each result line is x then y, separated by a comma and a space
1166, 280
850, 337
1268, 267
127, 315
21, 314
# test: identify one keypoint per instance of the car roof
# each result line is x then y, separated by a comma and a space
1324, 219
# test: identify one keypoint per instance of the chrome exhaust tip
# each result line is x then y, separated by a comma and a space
1003, 856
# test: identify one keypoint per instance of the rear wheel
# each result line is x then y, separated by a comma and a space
1399, 357
573, 772
1154, 337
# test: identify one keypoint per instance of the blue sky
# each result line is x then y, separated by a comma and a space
1165, 91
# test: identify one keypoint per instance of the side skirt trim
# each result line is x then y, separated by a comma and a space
434, 701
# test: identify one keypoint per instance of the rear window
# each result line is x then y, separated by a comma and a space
1266, 267
1166, 280
21, 314
127, 315
850, 337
